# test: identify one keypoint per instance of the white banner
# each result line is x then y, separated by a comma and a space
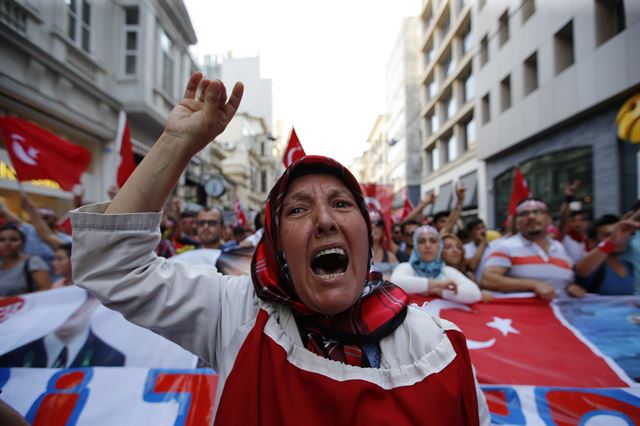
37, 327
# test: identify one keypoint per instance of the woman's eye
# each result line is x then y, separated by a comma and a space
342, 204
295, 210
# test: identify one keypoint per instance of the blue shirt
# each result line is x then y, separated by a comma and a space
606, 281
632, 255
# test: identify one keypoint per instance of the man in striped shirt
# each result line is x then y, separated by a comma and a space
529, 260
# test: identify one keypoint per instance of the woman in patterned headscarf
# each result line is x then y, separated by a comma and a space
428, 275
311, 337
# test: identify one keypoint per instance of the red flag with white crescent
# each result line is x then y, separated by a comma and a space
294, 151
37, 153
526, 341
519, 192
241, 219
407, 208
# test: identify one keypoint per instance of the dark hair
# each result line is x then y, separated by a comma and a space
462, 234
257, 223
607, 219
379, 222
636, 206
439, 215
187, 214
66, 247
238, 230
212, 209
575, 213
12, 227
409, 222
473, 223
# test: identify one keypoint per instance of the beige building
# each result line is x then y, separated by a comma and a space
72, 66
448, 120
550, 77
250, 166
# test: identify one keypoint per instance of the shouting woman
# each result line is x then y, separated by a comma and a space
311, 337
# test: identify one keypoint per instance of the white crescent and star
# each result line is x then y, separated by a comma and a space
29, 156
290, 154
503, 325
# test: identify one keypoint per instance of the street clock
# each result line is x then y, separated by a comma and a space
214, 187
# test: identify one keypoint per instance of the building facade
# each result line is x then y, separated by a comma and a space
402, 139
72, 66
448, 121
550, 78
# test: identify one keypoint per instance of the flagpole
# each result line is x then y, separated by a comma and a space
122, 118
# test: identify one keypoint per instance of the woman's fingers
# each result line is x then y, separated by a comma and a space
192, 86
203, 88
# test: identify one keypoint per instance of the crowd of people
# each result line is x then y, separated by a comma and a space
440, 256
317, 278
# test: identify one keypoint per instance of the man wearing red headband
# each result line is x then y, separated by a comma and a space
312, 337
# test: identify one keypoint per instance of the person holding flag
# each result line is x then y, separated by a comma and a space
312, 335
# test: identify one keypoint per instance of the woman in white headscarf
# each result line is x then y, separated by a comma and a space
427, 274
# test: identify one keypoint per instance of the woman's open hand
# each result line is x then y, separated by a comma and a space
200, 117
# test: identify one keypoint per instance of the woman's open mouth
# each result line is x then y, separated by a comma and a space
330, 263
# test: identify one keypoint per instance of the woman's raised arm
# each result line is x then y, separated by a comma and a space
192, 124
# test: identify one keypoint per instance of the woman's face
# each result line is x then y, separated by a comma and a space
10, 242
451, 251
428, 246
61, 263
324, 239
377, 233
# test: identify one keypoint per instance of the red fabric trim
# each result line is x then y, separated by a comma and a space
537, 260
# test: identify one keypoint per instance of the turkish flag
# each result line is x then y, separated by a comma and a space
519, 191
379, 199
241, 219
294, 151
39, 154
407, 208
524, 342
123, 141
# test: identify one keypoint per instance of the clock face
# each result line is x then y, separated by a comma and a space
215, 187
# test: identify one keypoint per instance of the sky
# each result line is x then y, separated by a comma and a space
327, 60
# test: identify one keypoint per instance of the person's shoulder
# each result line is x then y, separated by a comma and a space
36, 263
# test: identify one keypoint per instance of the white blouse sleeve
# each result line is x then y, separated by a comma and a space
194, 306
468, 291
404, 277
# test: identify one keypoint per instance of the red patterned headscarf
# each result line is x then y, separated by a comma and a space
381, 306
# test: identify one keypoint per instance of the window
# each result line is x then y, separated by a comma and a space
79, 22
433, 159
451, 148
484, 50
131, 31
449, 107
431, 124
430, 89
447, 66
563, 46
528, 8
469, 133
468, 88
545, 174
486, 109
503, 28
428, 55
505, 93
531, 73
467, 40
167, 63
263, 181
610, 19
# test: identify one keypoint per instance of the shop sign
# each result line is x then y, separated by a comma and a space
7, 172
